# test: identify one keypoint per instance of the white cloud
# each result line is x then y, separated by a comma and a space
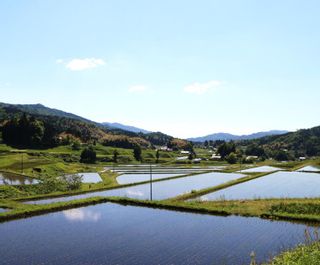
137, 89
202, 88
59, 61
81, 64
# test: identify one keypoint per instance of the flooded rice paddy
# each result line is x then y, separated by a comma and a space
90, 177
160, 190
309, 169
115, 234
7, 178
276, 185
134, 178
261, 169
157, 169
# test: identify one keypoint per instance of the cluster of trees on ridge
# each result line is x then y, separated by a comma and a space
58, 128
37, 131
290, 146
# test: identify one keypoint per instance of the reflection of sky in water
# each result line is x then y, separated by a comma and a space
13, 179
129, 235
135, 193
133, 178
161, 190
310, 168
277, 185
82, 214
260, 169
92, 177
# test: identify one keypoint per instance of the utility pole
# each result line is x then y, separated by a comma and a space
21, 163
150, 182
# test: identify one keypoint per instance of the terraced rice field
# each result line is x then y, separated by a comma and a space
276, 185
260, 169
160, 190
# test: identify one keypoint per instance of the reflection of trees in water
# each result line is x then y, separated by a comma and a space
10, 179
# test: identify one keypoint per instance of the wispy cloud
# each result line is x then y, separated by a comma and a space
78, 64
202, 88
137, 89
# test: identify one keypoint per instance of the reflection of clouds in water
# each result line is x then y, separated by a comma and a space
134, 193
203, 198
81, 215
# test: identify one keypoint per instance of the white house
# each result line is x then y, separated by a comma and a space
165, 148
215, 157
182, 158
251, 158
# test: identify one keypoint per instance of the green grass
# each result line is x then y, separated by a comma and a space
259, 207
297, 208
308, 254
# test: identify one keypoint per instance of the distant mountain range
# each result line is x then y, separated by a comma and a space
125, 127
232, 137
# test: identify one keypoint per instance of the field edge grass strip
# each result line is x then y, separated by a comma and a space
225, 185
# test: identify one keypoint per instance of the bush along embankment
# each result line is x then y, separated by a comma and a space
304, 254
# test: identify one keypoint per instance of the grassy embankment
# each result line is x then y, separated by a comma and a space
299, 209
308, 254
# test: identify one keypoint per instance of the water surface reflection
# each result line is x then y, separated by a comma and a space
136, 235
82, 214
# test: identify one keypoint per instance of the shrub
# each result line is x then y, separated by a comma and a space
88, 155
72, 182
231, 158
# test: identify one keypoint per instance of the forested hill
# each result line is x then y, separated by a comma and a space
304, 142
39, 127
39, 109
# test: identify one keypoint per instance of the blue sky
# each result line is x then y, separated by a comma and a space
186, 68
